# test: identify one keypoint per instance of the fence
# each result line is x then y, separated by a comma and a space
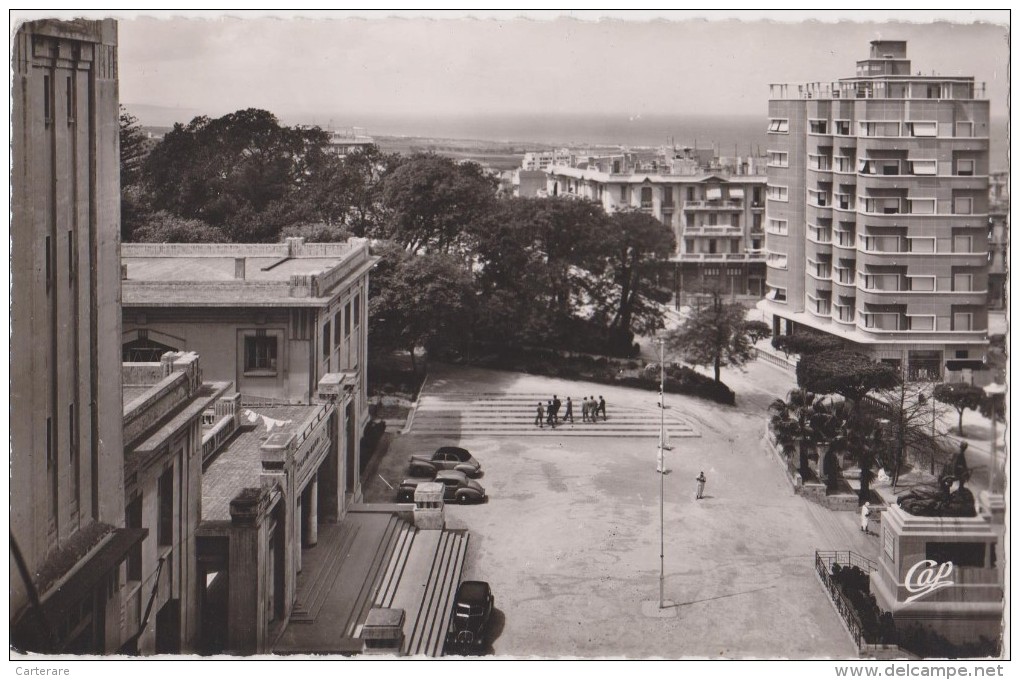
823, 566
776, 359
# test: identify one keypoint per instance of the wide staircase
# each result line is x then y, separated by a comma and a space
319, 574
481, 414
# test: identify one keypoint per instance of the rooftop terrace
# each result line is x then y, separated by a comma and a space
293, 273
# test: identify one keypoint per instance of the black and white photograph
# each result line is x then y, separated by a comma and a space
472, 335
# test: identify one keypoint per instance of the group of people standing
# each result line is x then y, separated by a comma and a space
549, 414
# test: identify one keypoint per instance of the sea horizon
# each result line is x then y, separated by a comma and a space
729, 134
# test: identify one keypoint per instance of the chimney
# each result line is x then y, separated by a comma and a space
239, 268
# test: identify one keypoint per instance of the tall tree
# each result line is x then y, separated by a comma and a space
419, 301
242, 172
714, 335
961, 396
636, 241
343, 190
134, 200
163, 227
852, 375
431, 202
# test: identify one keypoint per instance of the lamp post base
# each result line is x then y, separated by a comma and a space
650, 609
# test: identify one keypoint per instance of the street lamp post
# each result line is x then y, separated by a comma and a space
662, 468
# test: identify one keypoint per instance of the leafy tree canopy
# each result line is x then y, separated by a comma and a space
162, 227
848, 373
714, 335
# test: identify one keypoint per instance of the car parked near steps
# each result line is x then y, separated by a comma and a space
469, 622
457, 488
445, 458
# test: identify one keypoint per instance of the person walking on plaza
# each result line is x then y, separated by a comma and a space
602, 407
556, 409
549, 415
569, 413
593, 409
584, 409
865, 513
701, 485
540, 416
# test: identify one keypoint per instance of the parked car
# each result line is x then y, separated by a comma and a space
445, 458
469, 622
457, 488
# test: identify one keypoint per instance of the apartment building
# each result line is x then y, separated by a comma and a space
716, 212
876, 214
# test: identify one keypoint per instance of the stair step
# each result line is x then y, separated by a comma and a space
422, 621
442, 620
388, 587
434, 615
366, 593
307, 609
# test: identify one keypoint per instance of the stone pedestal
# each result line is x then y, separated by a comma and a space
428, 506
940, 573
383, 632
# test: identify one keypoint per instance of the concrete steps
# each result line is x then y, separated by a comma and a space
316, 581
395, 569
428, 632
511, 415
396, 529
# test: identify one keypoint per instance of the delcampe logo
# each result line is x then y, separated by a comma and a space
924, 578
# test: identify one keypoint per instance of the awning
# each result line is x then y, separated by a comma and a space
961, 364
713, 193
736, 192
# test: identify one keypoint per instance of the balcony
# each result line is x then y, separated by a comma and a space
818, 199
729, 204
712, 230
820, 235
843, 314
844, 276
722, 257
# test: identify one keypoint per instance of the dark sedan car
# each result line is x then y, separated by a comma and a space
469, 622
457, 488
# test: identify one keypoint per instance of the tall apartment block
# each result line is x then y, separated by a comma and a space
876, 223
68, 541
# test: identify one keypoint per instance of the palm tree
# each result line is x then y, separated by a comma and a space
801, 420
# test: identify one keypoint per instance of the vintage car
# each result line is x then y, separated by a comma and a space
457, 488
472, 609
445, 458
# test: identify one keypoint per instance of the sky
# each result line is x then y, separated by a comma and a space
351, 68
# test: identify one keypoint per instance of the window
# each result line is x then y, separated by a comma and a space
779, 159
70, 100
779, 125
776, 294
667, 196
688, 245
133, 520
47, 101
842, 127
920, 323
712, 271
735, 220
962, 243
165, 527
623, 194
925, 129
646, 197
880, 129
963, 205
777, 193
336, 329
963, 282
818, 126
923, 168
921, 283
963, 321
965, 128
325, 340
260, 353
922, 206
965, 167
774, 226
690, 193
921, 244
776, 260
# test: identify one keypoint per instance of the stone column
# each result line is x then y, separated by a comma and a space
312, 535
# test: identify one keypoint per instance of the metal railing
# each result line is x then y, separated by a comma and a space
823, 566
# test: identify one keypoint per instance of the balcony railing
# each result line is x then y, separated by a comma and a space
720, 204
877, 89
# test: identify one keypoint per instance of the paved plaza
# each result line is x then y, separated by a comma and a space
569, 539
